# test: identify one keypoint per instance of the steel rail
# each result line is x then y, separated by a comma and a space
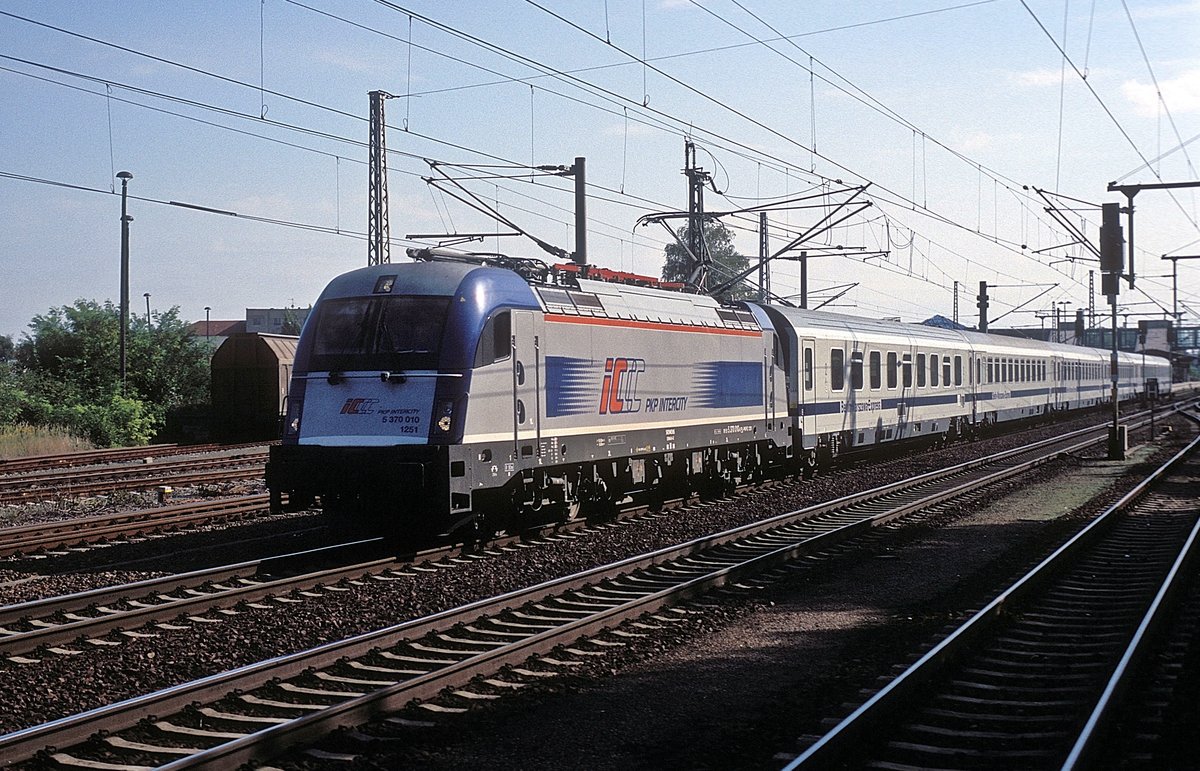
692, 568
29, 487
166, 607
64, 533
113, 455
1096, 730
141, 483
863, 721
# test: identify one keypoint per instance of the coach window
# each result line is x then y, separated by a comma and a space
876, 373
934, 366
892, 364
978, 371
856, 373
907, 366
957, 370
920, 370
837, 369
495, 343
946, 371
990, 370
808, 369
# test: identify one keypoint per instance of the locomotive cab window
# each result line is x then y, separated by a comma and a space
495, 344
837, 369
383, 332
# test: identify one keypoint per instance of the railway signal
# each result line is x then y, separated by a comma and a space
982, 302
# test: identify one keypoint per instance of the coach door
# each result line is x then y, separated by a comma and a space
770, 361
1058, 378
807, 368
527, 384
974, 373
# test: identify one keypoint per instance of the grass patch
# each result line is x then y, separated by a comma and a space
23, 440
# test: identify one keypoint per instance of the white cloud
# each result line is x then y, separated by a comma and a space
975, 142
351, 62
1167, 10
1038, 78
1181, 94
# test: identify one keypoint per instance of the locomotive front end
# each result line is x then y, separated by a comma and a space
380, 392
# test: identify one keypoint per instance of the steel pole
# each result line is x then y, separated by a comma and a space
1115, 450
580, 169
124, 176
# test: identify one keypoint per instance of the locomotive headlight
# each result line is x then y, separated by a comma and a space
445, 415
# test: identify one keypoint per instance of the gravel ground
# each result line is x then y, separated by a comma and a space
62, 685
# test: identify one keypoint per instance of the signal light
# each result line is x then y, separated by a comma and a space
1112, 239
982, 302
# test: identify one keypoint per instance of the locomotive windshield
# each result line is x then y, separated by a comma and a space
382, 333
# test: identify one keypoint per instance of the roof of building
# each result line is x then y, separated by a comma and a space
216, 328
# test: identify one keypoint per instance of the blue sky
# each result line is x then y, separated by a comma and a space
259, 107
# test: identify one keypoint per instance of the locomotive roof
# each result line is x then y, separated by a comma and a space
624, 301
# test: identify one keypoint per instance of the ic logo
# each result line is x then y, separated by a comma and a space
356, 406
619, 392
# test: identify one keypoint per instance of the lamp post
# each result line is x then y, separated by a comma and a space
124, 176
147, 296
207, 329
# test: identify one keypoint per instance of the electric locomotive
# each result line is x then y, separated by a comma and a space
456, 391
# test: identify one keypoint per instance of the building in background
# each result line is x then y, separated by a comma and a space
276, 321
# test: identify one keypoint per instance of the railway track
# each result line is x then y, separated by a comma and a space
62, 621
110, 455
258, 710
1037, 678
40, 486
70, 533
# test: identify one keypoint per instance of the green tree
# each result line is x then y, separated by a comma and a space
726, 262
291, 324
7, 348
67, 373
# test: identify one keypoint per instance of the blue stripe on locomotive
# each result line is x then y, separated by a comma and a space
721, 384
570, 386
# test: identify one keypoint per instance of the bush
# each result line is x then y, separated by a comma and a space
65, 373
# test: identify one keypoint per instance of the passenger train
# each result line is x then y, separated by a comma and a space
486, 392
